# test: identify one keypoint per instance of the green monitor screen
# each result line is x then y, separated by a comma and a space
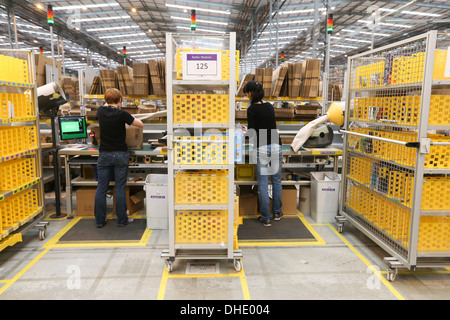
72, 128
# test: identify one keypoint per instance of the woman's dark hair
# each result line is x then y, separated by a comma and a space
256, 90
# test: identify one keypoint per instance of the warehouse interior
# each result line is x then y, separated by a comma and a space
361, 97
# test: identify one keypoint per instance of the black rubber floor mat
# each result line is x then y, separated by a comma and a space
288, 228
86, 230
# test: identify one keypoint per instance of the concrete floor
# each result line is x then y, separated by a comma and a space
346, 266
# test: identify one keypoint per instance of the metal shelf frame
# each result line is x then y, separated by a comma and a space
207, 250
405, 253
33, 220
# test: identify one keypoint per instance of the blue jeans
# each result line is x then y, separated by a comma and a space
269, 160
111, 162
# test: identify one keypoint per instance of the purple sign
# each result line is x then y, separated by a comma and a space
201, 57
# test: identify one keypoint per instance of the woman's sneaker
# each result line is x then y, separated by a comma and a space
277, 216
266, 223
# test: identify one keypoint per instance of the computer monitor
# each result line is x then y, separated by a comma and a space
73, 127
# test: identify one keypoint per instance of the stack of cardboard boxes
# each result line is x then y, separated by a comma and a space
249, 204
70, 86
288, 80
41, 61
85, 200
125, 79
264, 77
310, 85
142, 79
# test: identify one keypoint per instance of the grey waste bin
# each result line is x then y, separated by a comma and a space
325, 196
156, 190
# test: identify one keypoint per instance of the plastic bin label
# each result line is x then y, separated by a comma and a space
202, 66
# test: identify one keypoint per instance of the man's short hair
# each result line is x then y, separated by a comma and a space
113, 96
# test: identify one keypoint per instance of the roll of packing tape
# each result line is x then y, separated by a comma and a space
147, 160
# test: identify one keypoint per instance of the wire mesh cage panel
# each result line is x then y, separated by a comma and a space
393, 189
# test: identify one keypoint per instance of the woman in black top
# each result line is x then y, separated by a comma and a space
113, 156
263, 129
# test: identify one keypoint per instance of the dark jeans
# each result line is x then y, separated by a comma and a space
269, 163
111, 162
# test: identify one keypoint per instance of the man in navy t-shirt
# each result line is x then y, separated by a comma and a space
113, 156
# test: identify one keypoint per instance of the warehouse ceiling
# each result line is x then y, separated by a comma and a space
95, 31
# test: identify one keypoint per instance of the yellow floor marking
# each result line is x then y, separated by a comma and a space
166, 275
368, 264
17, 276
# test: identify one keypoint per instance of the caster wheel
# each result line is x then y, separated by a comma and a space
42, 233
237, 265
169, 266
391, 275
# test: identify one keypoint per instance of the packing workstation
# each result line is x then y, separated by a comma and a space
145, 98
79, 160
358, 93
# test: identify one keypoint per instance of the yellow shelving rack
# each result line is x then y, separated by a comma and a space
21, 188
201, 91
396, 169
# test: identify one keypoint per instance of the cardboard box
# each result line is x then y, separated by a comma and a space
85, 198
135, 199
40, 62
125, 79
313, 88
134, 136
248, 200
267, 82
108, 79
259, 75
312, 68
247, 78
141, 79
277, 81
289, 200
305, 88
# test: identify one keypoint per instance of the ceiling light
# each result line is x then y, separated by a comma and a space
142, 51
197, 9
296, 21
357, 40
122, 35
144, 42
40, 6
426, 14
301, 11
375, 34
345, 46
86, 6
283, 31
199, 20
387, 24
102, 18
133, 10
111, 28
